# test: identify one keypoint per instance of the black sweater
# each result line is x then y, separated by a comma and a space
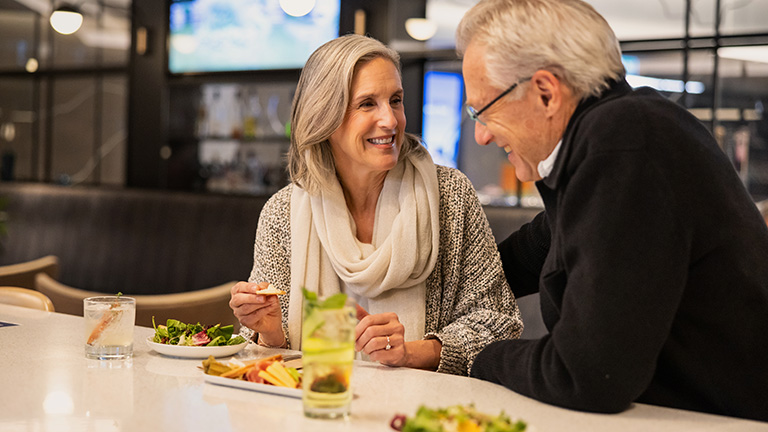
652, 264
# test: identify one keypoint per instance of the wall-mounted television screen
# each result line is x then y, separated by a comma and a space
245, 35
441, 121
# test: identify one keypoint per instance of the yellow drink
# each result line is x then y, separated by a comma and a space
328, 348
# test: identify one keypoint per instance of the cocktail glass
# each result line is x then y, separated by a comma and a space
109, 322
328, 349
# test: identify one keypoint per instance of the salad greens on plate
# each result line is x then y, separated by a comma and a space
456, 419
175, 332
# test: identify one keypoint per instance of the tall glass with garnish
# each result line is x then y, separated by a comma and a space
328, 348
109, 322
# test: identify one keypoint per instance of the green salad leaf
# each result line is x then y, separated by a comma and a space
236, 340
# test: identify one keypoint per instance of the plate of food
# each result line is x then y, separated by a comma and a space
177, 339
270, 375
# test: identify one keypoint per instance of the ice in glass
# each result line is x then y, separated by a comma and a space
109, 322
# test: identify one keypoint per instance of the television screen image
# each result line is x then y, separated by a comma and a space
245, 35
441, 121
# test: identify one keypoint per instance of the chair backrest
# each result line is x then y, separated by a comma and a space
17, 296
23, 274
207, 306
65, 298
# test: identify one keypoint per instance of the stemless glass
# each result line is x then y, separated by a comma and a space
328, 348
109, 322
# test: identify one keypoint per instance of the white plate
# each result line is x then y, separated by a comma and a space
196, 352
247, 385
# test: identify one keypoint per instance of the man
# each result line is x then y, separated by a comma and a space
650, 257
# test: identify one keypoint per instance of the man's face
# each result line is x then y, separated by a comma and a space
511, 123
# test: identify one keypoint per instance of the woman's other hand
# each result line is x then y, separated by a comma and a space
260, 313
381, 337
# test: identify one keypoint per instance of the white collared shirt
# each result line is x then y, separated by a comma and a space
545, 166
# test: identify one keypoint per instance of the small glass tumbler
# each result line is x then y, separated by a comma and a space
328, 349
109, 322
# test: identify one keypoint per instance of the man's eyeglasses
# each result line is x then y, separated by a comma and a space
475, 114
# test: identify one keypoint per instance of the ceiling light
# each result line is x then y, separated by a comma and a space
31, 65
297, 8
66, 19
757, 53
420, 28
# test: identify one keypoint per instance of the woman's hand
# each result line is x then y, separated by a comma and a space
382, 337
260, 313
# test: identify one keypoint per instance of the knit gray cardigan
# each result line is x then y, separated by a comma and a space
469, 303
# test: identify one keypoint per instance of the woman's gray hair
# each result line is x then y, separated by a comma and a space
566, 37
320, 104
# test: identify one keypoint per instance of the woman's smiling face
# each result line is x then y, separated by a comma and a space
368, 141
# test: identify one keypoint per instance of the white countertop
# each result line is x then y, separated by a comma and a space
49, 385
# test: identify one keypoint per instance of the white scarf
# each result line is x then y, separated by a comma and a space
388, 275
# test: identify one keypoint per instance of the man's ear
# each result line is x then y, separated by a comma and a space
549, 91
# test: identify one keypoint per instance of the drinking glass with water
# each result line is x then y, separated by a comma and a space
109, 322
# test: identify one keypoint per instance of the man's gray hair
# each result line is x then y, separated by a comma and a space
566, 37
320, 104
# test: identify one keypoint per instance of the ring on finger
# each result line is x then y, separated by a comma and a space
388, 347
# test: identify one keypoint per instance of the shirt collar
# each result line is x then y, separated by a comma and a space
545, 166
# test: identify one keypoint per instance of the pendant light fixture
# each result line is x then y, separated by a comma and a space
420, 29
66, 19
297, 8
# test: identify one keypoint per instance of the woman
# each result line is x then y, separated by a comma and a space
369, 214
